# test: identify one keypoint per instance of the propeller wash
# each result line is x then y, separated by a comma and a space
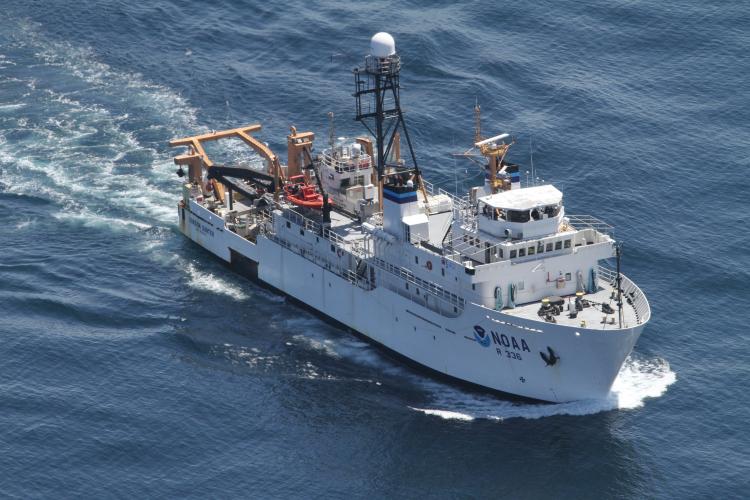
499, 288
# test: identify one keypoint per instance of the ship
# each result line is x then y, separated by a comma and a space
499, 288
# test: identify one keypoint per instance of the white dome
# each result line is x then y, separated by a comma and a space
382, 45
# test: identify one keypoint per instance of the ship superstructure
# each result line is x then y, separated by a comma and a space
500, 288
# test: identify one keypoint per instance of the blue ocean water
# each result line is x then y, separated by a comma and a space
133, 364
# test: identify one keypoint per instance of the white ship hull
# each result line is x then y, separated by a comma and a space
505, 358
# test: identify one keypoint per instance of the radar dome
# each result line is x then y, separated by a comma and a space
382, 45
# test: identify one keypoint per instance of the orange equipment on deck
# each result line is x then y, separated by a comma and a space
299, 192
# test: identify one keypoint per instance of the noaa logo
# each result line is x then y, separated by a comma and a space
481, 336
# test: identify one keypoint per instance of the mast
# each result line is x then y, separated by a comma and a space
477, 122
377, 95
618, 253
331, 133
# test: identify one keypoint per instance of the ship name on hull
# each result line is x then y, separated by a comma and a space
499, 339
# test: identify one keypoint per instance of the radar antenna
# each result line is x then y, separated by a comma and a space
494, 150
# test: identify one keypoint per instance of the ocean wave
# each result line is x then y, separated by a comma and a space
638, 380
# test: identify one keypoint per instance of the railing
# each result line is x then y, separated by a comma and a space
428, 288
590, 222
309, 253
458, 203
346, 164
301, 220
390, 64
355, 248
630, 293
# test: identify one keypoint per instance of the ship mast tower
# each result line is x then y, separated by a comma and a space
377, 94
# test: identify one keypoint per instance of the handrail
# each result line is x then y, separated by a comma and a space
630, 292
428, 286
579, 222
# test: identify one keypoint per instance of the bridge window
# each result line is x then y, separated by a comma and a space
532, 250
558, 245
512, 254
522, 252
567, 243
549, 247
540, 248
518, 216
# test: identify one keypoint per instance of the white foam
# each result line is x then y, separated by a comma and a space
325, 346
209, 282
77, 174
637, 381
11, 107
25, 223
445, 414
89, 219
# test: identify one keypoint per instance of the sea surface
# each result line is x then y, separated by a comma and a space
134, 364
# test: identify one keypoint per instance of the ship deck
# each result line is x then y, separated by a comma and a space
348, 228
591, 317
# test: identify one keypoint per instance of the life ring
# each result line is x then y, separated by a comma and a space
429, 265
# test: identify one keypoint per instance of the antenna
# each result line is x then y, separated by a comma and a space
477, 121
618, 254
331, 132
455, 172
489, 154
531, 153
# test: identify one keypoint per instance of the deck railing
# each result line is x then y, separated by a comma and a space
590, 222
445, 303
631, 294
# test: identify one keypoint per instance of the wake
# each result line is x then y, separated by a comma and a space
93, 140
639, 379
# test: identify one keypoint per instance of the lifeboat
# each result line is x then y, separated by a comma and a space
302, 194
